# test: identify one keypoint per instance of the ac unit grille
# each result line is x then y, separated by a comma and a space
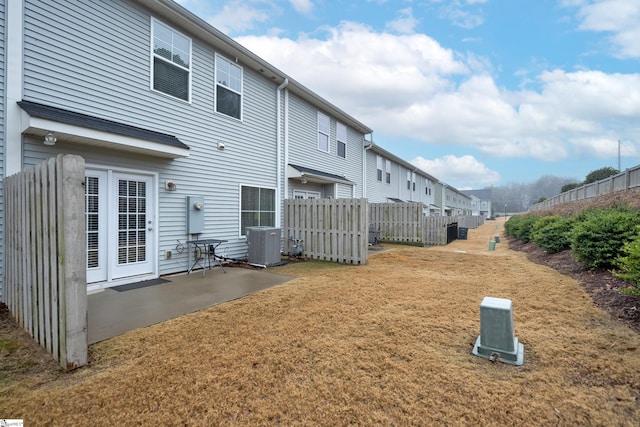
264, 245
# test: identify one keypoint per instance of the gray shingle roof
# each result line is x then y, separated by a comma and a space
42, 111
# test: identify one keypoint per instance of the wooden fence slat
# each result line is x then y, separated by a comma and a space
53, 259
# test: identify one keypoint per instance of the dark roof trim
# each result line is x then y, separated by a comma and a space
393, 199
304, 171
484, 194
47, 112
387, 154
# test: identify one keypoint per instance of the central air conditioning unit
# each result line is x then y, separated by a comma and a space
264, 246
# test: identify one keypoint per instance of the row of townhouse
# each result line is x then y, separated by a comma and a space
480, 202
165, 110
392, 179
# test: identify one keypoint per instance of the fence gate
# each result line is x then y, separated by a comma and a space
45, 284
329, 229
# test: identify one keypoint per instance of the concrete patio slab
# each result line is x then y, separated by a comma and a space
112, 313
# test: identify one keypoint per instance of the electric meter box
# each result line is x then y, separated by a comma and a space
195, 214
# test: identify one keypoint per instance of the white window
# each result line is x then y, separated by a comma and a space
257, 207
323, 132
379, 167
171, 61
388, 169
228, 88
341, 136
408, 180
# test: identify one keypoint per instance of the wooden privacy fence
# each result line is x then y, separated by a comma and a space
398, 222
44, 265
405, 223
436, 230
329, 229
623, 181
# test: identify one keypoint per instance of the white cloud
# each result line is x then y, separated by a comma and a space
363, 70
461, 15
239, 15
408, 87
302, 6
464, 169
405, 23
620, 18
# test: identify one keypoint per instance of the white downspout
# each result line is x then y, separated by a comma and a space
286, 143
280, 171
364, 166
13, 157
444, 192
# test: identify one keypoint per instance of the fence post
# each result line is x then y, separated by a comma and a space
73, 262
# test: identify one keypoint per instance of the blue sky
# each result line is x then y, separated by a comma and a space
477, 93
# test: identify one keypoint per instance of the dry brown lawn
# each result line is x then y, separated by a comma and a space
388, 343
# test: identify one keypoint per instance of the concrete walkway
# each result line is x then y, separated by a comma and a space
112, 313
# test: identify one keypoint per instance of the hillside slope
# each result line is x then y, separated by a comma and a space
603, 287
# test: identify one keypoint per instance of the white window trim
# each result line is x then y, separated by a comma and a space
341, 140
275, 219
152, 55
305, 194
216, 84
379, 168
321, 114
387, 171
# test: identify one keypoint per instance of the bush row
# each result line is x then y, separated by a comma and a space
599, 239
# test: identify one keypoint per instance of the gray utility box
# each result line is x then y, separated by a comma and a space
264, 245
497, 340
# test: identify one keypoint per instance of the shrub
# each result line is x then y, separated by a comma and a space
551, 233
519, 227
598, 236
629, 264
569, 187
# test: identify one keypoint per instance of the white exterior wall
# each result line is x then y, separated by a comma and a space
303, 151
381, 192
56, 74
2, 132
94, 58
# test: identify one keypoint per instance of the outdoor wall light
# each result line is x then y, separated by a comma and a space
50, 139
303, 181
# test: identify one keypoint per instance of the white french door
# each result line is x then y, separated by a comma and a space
95, 191
120, 216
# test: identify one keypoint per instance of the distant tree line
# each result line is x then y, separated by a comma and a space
519, 197
593, 176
